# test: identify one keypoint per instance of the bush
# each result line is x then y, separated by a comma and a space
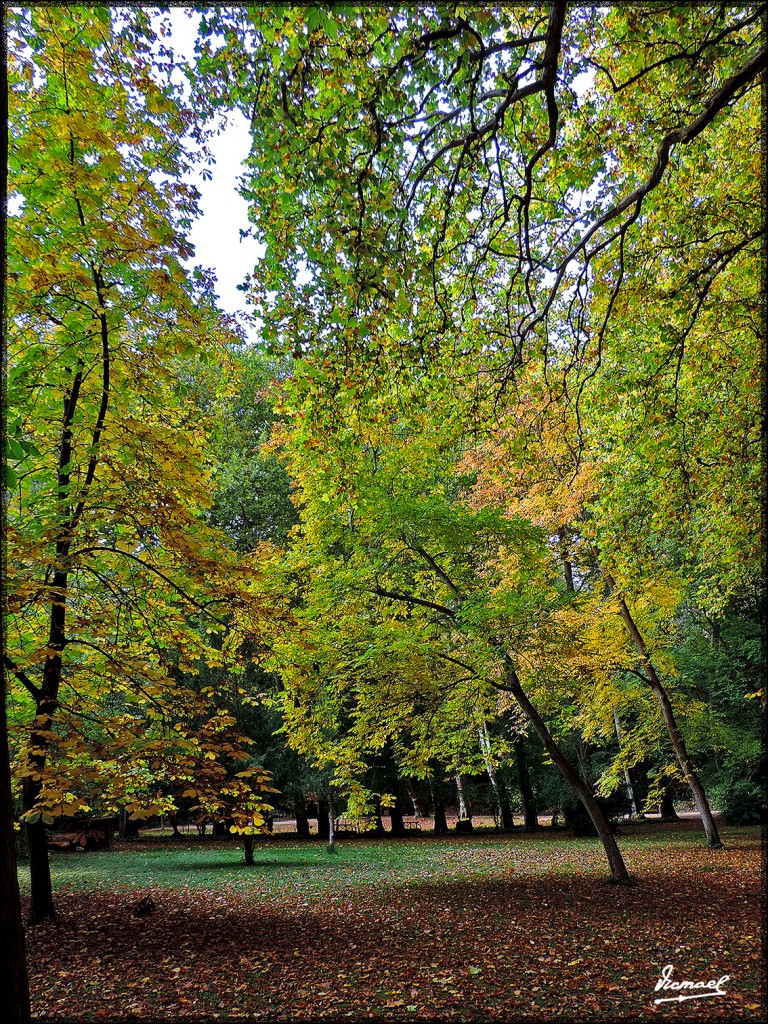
740, 802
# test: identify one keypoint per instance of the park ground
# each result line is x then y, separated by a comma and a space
467, 928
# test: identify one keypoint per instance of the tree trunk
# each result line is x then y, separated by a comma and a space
530, 814
438, 801
300, 811
323, 830
378, 828
41, 890
418, 810
463, 813
667, 807
396, 823
505, 811
584, 761
681, 751
634, 804
248, 848
331, 829
485, 747
616, 862
14, 982
37, 839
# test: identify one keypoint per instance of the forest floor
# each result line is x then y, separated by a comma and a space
467, 928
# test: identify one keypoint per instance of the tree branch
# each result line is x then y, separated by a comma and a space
22, 676
410, 599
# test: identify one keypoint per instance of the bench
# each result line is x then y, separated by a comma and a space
412, 823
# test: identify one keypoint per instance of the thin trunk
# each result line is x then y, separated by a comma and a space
678, 743
418, 811
14, 982
629, 788
331, 829
485, 747
530, 814
460, 795
378, 828
567, 564
618, 869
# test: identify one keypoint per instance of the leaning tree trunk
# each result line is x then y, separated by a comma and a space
615, 860
678, 743
14, 982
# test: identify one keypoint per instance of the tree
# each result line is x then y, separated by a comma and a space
111, 569
452, 169
409, 605
467, 194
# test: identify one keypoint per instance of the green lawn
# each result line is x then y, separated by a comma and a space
482, 928
284, 866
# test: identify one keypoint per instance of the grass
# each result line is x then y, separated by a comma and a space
284, 867
482, 928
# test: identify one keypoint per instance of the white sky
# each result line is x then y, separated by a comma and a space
216, 235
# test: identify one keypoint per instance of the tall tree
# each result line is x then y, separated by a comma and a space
111, 570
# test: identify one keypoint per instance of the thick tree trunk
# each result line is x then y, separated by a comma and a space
505, 811
300, 811
438, 801
14, 982
616, 862
396, 823
248, 848
47, 702
40, 888
530, 814
667, 806
678, 743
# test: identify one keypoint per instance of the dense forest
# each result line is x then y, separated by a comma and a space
477, 522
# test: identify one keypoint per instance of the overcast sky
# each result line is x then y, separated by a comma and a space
216, 236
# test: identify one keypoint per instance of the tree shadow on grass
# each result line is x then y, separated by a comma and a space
485, 949
190, 867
